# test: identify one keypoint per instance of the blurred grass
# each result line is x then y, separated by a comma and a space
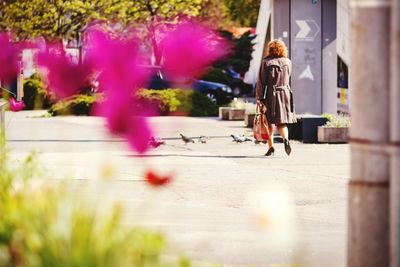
43, 225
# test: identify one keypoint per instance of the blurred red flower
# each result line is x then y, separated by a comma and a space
157, 180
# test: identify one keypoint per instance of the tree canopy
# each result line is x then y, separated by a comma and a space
244, 12
64, 19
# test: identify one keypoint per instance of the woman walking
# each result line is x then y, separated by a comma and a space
273, 92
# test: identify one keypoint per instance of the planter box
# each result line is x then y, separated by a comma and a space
249, 120
333, 135
236, 114
306, 128
224, 113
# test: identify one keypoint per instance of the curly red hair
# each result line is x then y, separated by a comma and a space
277, 48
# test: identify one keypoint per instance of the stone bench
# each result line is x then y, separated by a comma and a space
306, 128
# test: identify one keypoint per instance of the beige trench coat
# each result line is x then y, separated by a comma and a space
274, 91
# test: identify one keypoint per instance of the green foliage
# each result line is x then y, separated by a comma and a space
241, 54
53, 20
328, 116
35, 94
164, 9
216, 14
45, 226
244, 12
217, 75
177, 101
65, 19
75, 105
338, 122
164, 102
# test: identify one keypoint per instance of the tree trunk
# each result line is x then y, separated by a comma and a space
153, 39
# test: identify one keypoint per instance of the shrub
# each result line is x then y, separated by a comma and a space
75, 105
328, 116
35, 94
217, 75
177, 101
48, 225
163, 102
338, 122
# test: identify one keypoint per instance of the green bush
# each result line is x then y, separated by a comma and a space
177, 101
35, 94
75, 105
46, 225
338, 122
164, 102
217, 75
328, 116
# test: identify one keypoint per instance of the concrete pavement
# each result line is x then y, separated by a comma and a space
228, 203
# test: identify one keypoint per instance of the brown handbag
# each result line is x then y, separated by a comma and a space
260, 126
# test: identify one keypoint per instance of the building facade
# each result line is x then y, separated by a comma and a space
317, 35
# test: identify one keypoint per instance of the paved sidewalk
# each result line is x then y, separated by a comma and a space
227, 204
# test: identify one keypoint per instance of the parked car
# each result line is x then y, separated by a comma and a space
217, 92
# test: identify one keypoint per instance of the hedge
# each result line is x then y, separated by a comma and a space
35, 94
164, 102
75, 105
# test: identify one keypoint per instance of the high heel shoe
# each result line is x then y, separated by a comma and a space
270, 151
288, 149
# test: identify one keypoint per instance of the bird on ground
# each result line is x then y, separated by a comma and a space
186, 139
153, 142
202, 139
240, 138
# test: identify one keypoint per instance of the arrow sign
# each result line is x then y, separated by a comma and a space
307, 74
308, 30
304, 29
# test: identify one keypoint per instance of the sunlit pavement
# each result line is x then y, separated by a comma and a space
227, 204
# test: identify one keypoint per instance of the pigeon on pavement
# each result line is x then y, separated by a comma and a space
240, 138
203, 139
186, 139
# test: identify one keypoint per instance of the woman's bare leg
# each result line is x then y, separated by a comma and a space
270, 141
283, 131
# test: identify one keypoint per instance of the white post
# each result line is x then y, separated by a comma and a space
368, 227
395, 136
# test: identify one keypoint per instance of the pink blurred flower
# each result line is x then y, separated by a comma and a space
16, 106
65, 78
121, 74
190, 48
124, 120
9, 57
118, 61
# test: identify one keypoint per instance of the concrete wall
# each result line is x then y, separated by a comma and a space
314, 37
306, 21
281, 21
329, 57
343, 51
263, 36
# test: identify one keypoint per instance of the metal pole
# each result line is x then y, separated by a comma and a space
395, 136
368, 222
